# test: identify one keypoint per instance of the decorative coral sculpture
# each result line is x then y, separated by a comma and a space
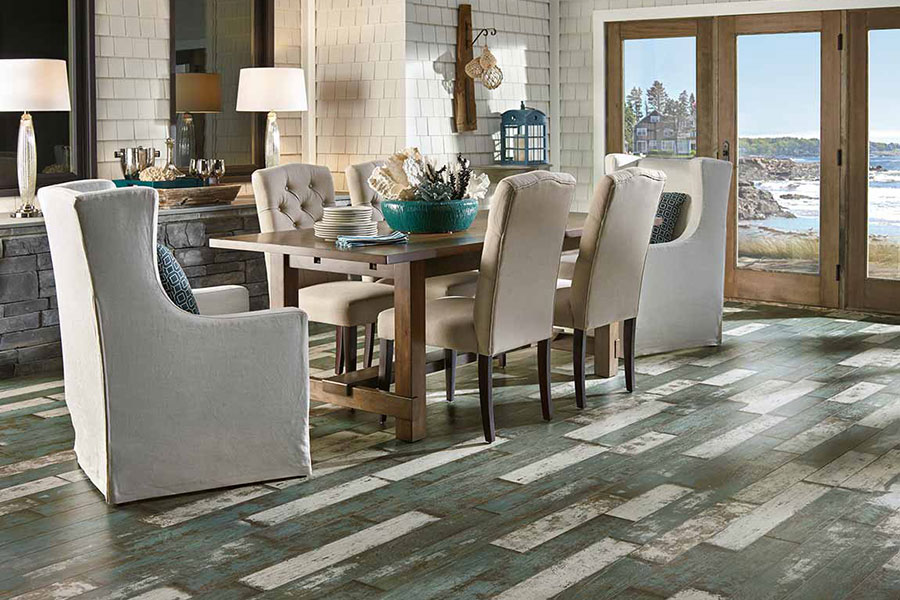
408, 175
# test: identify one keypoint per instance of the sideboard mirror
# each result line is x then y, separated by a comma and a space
66, 141
211, 41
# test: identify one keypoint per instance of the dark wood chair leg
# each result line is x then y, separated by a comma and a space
349, 348
369, 351
338, 350
578, 358
501, 361
385, 368
628, 351
450, 373
486, 393
543, 355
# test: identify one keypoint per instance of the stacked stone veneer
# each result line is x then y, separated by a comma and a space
29, 319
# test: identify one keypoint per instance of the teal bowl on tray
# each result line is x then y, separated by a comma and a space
423, 216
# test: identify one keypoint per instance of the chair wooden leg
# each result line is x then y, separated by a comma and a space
338, 350
349, 348
369, 351
501, 361
385, 368
486, 393
450, 373
628, 351
578, 358
543, 355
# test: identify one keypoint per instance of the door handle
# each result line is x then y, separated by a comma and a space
726, 150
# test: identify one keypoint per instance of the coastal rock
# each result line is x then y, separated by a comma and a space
782, 169
756, 204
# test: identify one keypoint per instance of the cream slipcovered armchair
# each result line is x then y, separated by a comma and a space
606, 285
513, 306
362, 194
293, 196
214, 300
684, 280
164, 401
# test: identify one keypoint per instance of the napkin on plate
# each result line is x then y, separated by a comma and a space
352, 241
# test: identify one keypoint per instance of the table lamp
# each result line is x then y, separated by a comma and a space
31, 84
194, 93
270, 89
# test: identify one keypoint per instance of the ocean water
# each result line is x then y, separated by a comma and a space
884, 200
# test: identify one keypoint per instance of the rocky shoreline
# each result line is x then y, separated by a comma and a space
756, 204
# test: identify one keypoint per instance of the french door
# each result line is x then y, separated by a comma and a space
764, 92
874, 160
779, 82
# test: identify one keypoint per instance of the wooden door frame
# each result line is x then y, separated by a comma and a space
795, 288
703, 30
862, 292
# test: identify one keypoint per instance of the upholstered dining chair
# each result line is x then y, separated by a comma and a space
294, 196
164, 401
362, 194
213, 300
513, 305
606, 286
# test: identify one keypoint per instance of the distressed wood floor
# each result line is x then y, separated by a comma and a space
767, 468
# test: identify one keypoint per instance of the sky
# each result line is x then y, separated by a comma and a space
778, 80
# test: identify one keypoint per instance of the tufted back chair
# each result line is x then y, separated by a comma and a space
361, 193
610, 266
520, 260
292, 196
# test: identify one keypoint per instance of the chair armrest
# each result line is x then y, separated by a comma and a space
222, 299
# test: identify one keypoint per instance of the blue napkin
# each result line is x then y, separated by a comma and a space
352, 241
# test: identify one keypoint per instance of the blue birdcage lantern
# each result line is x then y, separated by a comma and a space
523, 137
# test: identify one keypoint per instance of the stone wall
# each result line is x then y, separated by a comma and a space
29, 319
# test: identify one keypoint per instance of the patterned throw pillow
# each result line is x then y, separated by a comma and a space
174, 281
670, 204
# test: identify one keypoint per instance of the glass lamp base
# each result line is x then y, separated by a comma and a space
273, 141
29, 211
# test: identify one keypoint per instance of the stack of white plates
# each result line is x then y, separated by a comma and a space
346, 220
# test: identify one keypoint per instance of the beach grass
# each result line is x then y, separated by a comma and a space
884, 255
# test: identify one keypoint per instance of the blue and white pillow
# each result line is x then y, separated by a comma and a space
174, 281
670, 205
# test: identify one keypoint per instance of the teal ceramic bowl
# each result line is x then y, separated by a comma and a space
421, 216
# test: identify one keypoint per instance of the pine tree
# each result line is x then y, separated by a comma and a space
657, 97
634, 100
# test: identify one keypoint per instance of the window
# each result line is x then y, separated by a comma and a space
641, 147
641, 132
668, 146
654, 145
61, 29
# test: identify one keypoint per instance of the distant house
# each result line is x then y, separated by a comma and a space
660, 134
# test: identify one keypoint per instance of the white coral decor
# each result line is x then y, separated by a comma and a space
404, 172
391, 181
478, 186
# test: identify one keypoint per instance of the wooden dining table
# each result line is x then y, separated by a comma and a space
298, 259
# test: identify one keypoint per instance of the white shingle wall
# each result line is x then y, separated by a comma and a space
360, 82
132, 63
576, 85
522, 48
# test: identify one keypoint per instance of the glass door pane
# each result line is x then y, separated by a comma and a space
660, 96
778, 130
884, 156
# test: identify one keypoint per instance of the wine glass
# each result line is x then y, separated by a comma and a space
192, 169
203, 169
218, 169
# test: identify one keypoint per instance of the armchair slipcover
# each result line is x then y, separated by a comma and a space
684, 280
163, 401
213, 300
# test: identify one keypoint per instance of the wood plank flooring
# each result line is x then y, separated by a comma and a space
766, 468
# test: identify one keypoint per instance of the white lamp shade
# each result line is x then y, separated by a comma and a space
264, 89
33, 84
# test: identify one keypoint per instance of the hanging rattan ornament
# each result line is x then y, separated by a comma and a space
487, 59
492, 77
474, 68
